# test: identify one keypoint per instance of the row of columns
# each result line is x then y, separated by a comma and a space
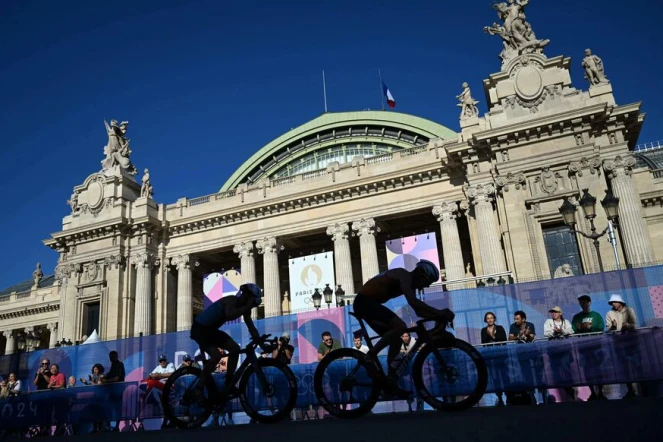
11, 335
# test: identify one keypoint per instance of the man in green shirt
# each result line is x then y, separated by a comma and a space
587, 321
327, 345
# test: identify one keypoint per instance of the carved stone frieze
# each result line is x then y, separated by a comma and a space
91, 272
593, 164
548, 180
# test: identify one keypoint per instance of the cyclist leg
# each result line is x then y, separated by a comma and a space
232, 347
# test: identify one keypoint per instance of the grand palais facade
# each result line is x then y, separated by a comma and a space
347, 182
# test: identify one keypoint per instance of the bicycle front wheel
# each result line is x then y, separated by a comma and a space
344, 385
181, 405
273, 400
450, 377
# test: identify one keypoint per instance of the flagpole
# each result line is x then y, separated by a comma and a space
381, 89
324, 88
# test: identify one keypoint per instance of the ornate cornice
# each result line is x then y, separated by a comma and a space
28, 311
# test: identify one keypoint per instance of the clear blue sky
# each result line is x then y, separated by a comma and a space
205, 84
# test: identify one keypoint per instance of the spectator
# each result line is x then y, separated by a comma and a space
587, 321
491, 334
187, 361
327, 345
116, 372
557, 327
521, 330
43, 375
96, 377
72, 382
13, 385
4, 391
358, 343
406, 347
57, 380
621, 317
284, 350
162, 371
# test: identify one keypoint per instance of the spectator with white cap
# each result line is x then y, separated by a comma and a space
621, 317
557, 327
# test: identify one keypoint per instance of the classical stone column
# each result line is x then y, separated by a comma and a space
342, 257
53, 338
637, 244
270, 248
10, 345
446, 214
143, 300
369, 252
247, 266
492, 255
184, 292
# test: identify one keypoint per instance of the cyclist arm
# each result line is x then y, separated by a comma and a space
253, 331
420, 308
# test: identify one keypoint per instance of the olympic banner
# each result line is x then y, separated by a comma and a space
307, 274
217, 285
407, 252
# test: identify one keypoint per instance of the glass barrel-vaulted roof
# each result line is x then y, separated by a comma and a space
337, 136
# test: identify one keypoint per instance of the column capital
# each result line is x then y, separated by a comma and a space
593, 164
29, 329
363, 227
244, 249
620, 166
8, 334
479, 193
446, 211
52, 326
116, 261
183, 262
338, 231
269, 245
518, 180
143, 260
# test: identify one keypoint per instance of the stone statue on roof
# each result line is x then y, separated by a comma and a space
146, 189
594, 70
468, 105
117, 150
37, 276
516, 32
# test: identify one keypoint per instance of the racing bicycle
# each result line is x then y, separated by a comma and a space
448, 373
267, 390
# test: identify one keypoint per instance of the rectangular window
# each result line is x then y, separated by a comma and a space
91, 312
562, 248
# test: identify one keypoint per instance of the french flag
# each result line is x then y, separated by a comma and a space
387, 94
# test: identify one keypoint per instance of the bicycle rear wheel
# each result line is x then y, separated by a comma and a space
179, 402
450, 377
274, 401
344, 385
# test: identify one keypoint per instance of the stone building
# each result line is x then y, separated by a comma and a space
348, 182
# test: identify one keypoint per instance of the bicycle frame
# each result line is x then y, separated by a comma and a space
251, 360
423, 337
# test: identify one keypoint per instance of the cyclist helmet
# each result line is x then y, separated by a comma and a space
252, 290
429, 269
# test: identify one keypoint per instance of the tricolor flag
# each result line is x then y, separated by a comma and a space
387, 94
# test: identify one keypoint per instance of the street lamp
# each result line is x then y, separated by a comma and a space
340, 302
64, 343
328, 292
588, 203
28, 341
316, 297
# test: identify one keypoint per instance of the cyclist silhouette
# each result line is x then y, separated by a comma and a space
205, 331
368, 305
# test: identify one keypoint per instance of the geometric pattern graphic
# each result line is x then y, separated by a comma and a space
217, 285
656, 295
407, 252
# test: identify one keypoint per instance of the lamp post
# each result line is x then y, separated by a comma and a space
28, 342
340, 302
316, 297
588, 203
328, 292
64, 343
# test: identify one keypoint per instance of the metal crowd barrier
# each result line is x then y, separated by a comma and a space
579, 360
